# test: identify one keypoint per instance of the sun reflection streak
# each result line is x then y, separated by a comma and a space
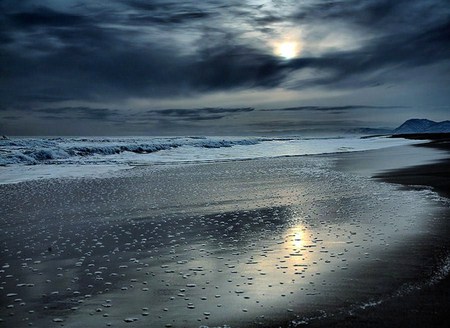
298, 236
298, 239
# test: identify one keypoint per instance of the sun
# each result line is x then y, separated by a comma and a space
287, 50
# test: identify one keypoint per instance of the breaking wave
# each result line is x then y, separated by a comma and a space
41, 151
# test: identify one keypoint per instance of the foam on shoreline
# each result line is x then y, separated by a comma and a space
25, 159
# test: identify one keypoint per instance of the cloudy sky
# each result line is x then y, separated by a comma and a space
233, 67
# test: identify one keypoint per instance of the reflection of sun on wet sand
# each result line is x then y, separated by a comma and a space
267, 247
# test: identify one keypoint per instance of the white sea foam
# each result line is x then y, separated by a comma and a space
36, 158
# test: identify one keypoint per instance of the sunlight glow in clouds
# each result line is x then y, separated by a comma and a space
176, 55
287, 50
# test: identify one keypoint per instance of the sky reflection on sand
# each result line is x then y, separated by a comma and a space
253, 247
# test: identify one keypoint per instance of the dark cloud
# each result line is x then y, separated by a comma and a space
85, 61
401, 34
87, 52
198, 111
299, 126
196, 114
331, 108
86, 56
78, 112
167, 19
42, 16
377, 14
122, 115
202, 118
10, 117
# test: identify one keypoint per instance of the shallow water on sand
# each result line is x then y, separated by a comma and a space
243, 243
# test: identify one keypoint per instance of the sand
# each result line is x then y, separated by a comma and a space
273, 242
427, 304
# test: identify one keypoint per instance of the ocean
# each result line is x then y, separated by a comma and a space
23, 159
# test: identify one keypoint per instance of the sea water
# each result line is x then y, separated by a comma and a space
23, 159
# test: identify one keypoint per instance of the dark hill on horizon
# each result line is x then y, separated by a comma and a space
415, 126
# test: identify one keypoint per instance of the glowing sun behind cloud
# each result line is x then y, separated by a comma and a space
287, 49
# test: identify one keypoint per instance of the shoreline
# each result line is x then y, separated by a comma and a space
296, 220
428, 306
435, 175
16, 168
433, 137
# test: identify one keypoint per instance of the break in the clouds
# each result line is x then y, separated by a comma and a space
122, 66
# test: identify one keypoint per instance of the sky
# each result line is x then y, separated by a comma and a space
247, 67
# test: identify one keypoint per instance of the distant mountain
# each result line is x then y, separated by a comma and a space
422, 126
439, 127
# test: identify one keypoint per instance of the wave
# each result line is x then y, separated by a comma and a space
133, 150
41, 151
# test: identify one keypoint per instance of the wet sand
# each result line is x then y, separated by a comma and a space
426, 305
273, 242
435, 175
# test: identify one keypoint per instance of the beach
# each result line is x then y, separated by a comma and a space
320, 240
427, 303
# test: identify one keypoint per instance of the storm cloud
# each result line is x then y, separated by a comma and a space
87, 55
331, 108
